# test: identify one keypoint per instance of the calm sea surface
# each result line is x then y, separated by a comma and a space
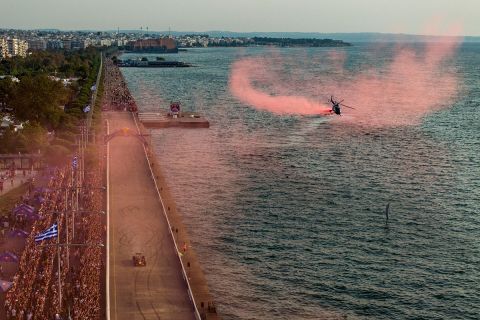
287, 212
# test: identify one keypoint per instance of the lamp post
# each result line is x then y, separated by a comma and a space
76, 207
67, 244
59, 245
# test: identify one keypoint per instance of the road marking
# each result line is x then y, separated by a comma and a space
108, 227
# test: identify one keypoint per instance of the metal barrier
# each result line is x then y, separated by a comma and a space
94, 96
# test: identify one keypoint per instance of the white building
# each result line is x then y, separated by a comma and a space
105, 42
3, 48
13, 47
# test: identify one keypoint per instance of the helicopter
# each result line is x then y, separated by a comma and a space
336, 106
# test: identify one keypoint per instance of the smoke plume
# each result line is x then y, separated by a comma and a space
413, 82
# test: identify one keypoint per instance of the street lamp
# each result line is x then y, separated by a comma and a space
59, 245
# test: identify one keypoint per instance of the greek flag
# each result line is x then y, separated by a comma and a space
47, 234
75, 162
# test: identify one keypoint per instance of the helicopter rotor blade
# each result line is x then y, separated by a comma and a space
344, 105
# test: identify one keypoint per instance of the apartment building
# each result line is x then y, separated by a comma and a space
37, 44
13, 47
3, 48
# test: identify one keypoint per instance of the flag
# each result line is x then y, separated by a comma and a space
75, 162
47, 234
86, 109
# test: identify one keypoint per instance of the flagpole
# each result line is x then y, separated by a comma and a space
50, 233
59, 273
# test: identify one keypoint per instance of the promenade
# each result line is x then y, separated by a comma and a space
137, 224
9, 183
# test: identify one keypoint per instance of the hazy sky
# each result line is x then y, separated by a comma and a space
407, 16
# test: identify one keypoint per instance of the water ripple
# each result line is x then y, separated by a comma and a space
287, 213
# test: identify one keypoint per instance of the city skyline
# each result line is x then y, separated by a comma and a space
343, 16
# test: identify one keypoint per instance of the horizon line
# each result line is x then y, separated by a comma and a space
239, 32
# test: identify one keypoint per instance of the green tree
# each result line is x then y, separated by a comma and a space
36, 137
38, 99
12, 141
6, 90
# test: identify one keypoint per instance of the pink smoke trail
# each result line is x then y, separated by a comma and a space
242, 87
412, 85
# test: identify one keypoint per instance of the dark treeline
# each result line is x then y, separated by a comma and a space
49, 110
225, 44
60, 63
289, 42
197, 35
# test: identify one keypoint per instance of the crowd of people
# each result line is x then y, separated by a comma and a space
40, 289
116, 93
29, 292
36, 293
88, 290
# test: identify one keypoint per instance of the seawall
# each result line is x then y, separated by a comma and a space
194, 272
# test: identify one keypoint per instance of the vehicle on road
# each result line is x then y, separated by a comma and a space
139, 260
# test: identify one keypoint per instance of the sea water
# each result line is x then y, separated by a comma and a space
287, 213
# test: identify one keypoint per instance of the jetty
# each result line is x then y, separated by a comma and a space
152, 64
185, 120
174, 118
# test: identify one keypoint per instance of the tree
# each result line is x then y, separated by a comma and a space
6, 90
38, 99
8, 141
36, 137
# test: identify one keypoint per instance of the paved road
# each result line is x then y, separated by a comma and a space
137, 224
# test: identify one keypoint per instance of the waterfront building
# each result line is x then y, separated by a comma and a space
105, 42
3, 48
54, 44
121, 43
37, 44
78, 44
89, 42
67, 44
11, 47
161, 45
